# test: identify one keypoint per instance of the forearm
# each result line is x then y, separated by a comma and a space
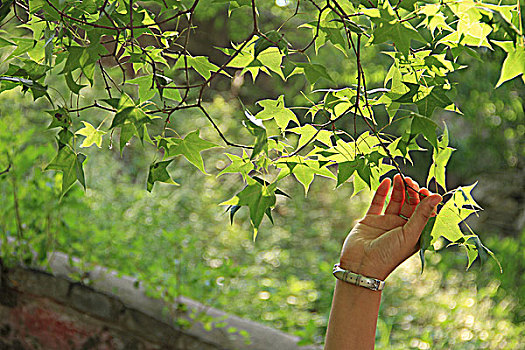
374, 248
353, 318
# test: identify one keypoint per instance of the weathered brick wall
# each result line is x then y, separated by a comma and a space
39, 310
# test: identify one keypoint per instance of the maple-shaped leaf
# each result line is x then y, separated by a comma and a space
241, 165
60, 118
276, 109
305, 170
514, 64
408, 97
201, 64
426, 127
390, 28
191, 147
436, 98
258, 198
127, 131
308, 131
146, 87
312, 71
459, 207
269, 60
70, 164
158, 172
425, 239
93, 136
257, 129
72, 84
346, 169
440, 157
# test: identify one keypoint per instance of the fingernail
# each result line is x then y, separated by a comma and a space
435, 200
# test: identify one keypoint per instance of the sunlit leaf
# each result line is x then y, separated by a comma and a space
191, 147
276, 109
93, 136
70, 164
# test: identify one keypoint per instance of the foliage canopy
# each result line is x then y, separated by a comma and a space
140, 52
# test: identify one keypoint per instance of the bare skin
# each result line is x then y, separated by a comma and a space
374, 248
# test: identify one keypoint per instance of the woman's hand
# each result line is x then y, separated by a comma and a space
381, 242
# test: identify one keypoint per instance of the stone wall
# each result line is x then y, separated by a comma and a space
40, 310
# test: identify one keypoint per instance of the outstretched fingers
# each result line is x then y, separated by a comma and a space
378, 202
397, 198
418, 220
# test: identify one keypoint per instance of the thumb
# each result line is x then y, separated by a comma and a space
419, 218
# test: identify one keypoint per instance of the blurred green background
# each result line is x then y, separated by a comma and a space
178, 241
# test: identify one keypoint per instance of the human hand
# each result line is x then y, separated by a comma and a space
381, 242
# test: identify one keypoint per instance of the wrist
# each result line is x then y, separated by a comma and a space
364, 268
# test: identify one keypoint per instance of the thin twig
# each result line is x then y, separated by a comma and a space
6, 170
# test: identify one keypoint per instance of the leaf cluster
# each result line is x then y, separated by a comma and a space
106, 42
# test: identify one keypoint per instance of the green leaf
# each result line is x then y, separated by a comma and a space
127, 131
306, 133
313, 72
73, 58
256, 128
426, 127
61, 118
389, 28
123, 115
482, 250
266, 183
365, 173
438, 167
425, 239
72, 85
408, 97
354, 27
4, 42
346, 169
93, 136
5, 8
436, 98
146, 88
459, 207
241, 165
201, 64
258, 198
233, 209
235, 4
277, 110
158, 172
129, 113
23, 45
440, 158
191, 147
70, 164
514, 64
65, 138
273, 38
305, 170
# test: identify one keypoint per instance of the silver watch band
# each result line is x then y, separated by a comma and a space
357, 279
